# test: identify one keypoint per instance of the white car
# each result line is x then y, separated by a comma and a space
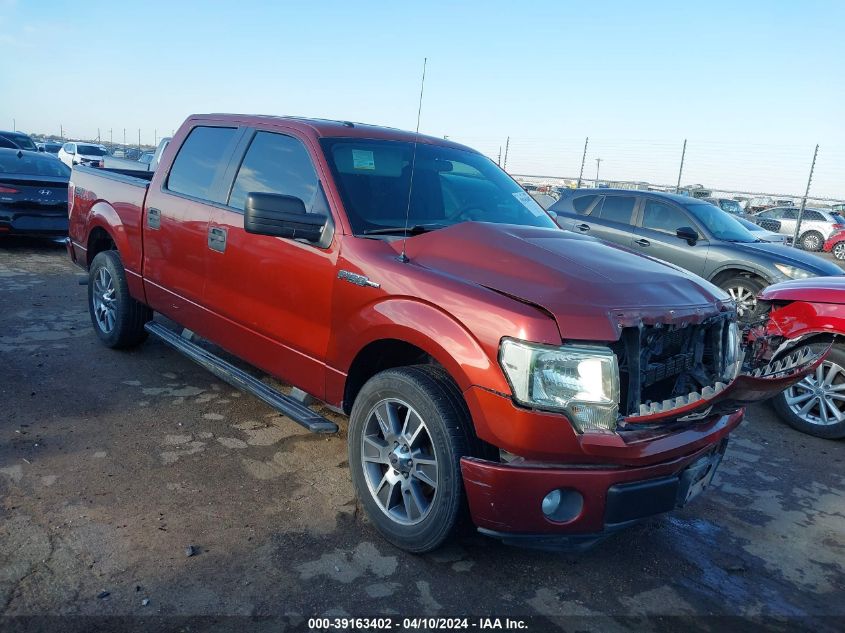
74, 153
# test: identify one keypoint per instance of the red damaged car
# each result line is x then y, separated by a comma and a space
558, 387
836, 244
809, 311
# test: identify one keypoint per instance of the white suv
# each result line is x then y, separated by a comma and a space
74, 153
816, 226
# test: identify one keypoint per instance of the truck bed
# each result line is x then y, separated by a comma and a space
111, 199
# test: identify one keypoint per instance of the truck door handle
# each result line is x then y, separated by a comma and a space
582, 227
153, 218
217, 239
642, 242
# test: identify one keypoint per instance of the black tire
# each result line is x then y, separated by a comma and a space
838, 251
128, 316
433, 396
738, 288
811, 241
811, 422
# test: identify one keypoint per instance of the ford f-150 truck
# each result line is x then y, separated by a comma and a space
555, 386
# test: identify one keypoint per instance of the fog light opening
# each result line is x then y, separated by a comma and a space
562, 505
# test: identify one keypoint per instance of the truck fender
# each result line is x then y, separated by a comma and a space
103, 216
424, 326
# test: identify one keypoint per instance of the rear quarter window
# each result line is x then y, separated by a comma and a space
581, 204
196, 165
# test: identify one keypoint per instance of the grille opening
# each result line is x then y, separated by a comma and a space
660, 362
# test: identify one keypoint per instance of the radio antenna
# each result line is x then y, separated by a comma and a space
403, 257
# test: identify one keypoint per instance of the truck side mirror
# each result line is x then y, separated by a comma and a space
282, 216
687, 233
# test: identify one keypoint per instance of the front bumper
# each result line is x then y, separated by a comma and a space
505, 499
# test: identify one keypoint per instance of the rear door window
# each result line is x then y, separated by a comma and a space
199, 160
276, 163
617, 209
665, 218
813, 216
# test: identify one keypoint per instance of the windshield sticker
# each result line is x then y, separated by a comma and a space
363, 159
529, 203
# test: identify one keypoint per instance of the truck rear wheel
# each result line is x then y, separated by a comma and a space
118, 319
408, 430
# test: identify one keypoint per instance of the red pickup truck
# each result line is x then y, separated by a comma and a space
557, 387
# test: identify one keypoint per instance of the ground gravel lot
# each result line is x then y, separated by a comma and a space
112, 463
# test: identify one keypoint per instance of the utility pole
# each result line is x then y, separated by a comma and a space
598, 164
139, 141
583, 159
124, 141
61, 132
499, 160
111, 139
98, 135
681, 169
507, 144
804, 199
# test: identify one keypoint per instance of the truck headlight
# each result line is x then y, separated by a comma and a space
581, 381
733, 356
793, 272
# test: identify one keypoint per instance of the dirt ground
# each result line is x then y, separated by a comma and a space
113, 463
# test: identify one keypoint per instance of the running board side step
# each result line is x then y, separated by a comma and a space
239, 379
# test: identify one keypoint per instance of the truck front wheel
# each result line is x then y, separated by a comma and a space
408, 430
118, 318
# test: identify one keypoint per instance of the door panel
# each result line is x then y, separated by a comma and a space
175, 225
271, 297
655, 236
612, 219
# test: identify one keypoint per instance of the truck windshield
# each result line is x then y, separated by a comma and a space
91, 150
720, 224
449, 186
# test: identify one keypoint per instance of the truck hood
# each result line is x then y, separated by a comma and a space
783, 254
591, 289
813, 290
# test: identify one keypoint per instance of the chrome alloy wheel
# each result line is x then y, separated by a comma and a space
839, 250
746, 301
819, 398
399, 461
105, 303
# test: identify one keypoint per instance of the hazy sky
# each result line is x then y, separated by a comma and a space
752, 85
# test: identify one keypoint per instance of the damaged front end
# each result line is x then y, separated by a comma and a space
686, 371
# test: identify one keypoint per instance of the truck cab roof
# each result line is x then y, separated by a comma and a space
332, 128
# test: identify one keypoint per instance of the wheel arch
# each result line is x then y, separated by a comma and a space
399, 332
728, 271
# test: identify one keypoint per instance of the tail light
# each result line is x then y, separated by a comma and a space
836, 227
100, 163
9, 190
71, 196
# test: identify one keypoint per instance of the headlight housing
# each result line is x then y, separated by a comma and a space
580, 380
732, 353
793, 272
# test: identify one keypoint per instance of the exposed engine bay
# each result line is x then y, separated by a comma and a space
673, 371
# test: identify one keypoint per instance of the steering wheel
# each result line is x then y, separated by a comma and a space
469, 212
